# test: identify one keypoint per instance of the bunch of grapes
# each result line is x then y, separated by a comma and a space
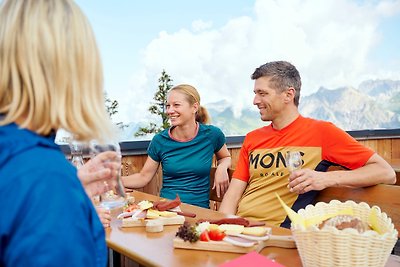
187, 232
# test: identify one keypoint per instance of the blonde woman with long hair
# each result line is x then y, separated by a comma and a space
50, 78
185, 151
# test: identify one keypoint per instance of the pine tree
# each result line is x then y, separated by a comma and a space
159, 106
112, 109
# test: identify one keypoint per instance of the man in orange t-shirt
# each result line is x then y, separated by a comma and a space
261, 169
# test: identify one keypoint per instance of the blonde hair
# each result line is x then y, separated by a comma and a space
50, 69
192, 97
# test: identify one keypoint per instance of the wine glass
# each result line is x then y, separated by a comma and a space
76, 148
293, 160
114, 197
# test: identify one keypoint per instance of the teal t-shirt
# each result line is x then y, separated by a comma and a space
186, 165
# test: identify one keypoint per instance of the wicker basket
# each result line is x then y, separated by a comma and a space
332, 247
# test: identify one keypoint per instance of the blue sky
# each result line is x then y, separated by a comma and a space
216, 45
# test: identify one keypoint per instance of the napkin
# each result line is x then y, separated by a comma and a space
252, 259
315, 220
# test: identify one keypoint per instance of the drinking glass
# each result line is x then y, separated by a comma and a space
114, 197
293, 160
76, 148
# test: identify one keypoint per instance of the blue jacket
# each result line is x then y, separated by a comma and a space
46, 218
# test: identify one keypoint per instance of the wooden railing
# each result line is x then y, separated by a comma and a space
385, 142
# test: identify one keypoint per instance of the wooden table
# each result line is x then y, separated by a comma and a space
156, 249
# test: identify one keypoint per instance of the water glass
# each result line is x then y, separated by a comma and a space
114, 197
293, 160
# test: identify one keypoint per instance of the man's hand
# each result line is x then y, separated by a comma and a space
102, 168
304, 180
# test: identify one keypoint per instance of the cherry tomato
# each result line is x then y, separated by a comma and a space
204, 236
216, 235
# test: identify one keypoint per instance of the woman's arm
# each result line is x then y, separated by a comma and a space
221, 181
142, 178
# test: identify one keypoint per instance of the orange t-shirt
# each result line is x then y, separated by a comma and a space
261, 164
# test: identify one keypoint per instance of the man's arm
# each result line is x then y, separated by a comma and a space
375, 171
231, 198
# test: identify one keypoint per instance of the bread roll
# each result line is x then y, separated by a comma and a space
341, 222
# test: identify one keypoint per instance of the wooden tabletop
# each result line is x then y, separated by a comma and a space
156, 249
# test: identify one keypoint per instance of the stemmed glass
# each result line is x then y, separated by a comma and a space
293, 160
114, 197
76, 148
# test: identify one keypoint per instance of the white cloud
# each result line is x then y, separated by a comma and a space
388, 8
200, 25
329, 41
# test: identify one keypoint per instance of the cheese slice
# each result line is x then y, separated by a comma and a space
230, 229
145, 204
256, 231
167, 213
152, 214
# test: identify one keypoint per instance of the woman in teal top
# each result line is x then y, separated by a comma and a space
185, 151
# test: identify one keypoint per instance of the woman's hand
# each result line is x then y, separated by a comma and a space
95, 172
221, 181
104, 215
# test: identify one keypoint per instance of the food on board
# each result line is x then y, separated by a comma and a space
255, 231
154, 226
237, 221
163, 205
205, 231
140, 214
131, 207
231, 228
187, 232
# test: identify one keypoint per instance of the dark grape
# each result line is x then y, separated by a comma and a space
187, 232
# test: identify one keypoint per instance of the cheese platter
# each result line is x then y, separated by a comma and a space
136, 215
228, 238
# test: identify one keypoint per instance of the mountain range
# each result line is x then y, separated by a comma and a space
375, 104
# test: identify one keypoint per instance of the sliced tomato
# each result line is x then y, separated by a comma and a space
131, 208
216, 235
204, 236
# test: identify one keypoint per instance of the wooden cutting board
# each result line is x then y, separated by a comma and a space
175, 220
223, 246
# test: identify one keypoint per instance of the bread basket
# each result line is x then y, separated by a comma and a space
348, 247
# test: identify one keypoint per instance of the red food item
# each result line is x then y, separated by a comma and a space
168, 204
204, 236
131, 208
216, 235
186, 214
239, 221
